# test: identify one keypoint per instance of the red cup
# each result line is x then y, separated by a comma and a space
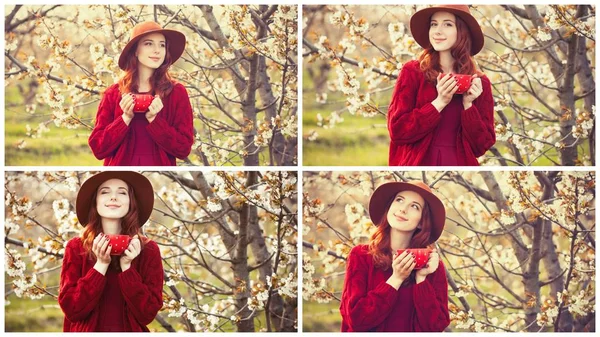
119, 243
463, 82
421, 256
142, 102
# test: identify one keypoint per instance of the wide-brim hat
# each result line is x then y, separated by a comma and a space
419, 25
382, 196
142, 190
175, 40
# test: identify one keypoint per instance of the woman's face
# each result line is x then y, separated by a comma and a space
151, 50
112, 199
442, 31
405, 212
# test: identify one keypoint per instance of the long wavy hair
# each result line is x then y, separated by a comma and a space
429, 60
380, 246
130, 225
161, 82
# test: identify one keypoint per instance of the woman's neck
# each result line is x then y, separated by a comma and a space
144, 75
399, 239
446, 62
111, 226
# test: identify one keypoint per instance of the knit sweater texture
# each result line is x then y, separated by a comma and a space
171, 131
413, 120
86, 296
370, 304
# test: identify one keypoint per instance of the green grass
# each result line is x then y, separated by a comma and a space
58, 147
24, 315
356, 141
319, 317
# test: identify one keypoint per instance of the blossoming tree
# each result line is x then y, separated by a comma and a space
239, 68
538, 58
227, 240
519, 247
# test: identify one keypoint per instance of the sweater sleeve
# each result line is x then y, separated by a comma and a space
109, 132
478, 121
431, 302
143, 291
176, 138
361, 309
79, 294
406, 123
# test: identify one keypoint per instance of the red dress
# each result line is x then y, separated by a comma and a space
413, 121
370, 304
169, 136
117, 301
443, 150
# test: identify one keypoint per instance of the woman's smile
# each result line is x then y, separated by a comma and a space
405, 211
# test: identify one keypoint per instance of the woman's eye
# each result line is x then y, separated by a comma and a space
415, 207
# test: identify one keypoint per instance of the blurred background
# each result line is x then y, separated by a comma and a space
539, 58
59, 59
518, 247
196, 222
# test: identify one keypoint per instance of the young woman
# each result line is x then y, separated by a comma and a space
429, 124
159, 133
382, 290
99, 292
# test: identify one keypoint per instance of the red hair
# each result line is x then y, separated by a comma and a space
130, 225
160, 81
380, 246
429, 60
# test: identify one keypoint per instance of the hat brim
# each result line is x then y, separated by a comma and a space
384, 194
142, 189
419, 27
175, 42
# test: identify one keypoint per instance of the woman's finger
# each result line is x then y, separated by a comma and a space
96, 239
406, 261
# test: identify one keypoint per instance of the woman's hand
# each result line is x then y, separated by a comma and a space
432, 266
127, 103
154, 108
132, 251
446, 88
474, 91
101, 249
402, 266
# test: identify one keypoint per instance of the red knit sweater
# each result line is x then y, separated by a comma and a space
412, 120
172, 129
83, 288
370, 304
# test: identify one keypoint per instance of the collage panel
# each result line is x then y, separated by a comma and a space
151, 85
452, 251
151, 251
448, 85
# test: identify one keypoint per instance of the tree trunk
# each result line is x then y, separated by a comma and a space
241, 271
529, 265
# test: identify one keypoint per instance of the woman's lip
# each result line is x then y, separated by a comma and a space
439, 40
113, 206
155, 58
401, 218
